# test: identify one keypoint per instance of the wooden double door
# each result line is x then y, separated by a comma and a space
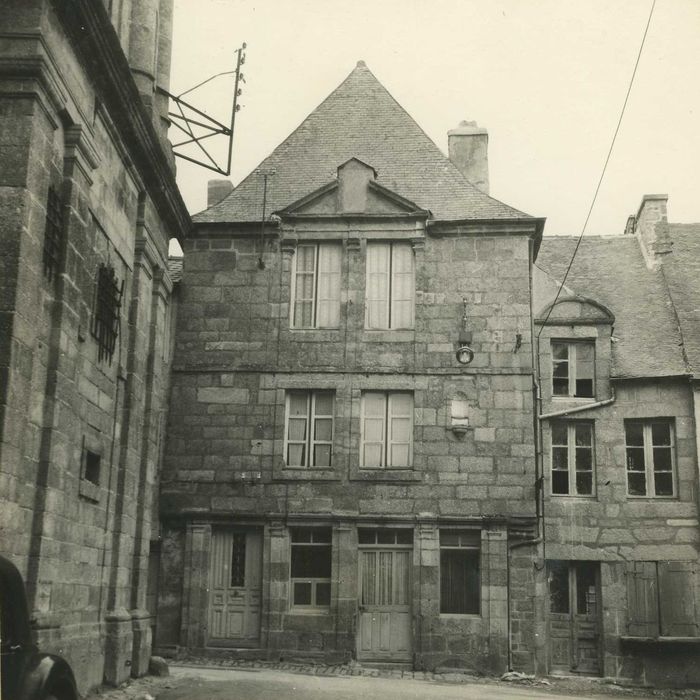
384, 631
235, 588
574, 617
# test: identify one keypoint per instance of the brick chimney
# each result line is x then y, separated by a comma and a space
651, 229
217, 190
467, 146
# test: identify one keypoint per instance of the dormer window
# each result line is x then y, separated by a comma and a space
573, 368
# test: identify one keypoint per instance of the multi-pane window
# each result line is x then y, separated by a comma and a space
105, 322
573, 369
309, 430
390, 286
316, 293
311, 567
459, 572
650, 457
387, 429
572, 458
53, 234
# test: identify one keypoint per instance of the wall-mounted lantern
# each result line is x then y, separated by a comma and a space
464, 352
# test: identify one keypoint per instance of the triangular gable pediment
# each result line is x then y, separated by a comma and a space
354, 193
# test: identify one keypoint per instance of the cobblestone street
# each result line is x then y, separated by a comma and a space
258, 680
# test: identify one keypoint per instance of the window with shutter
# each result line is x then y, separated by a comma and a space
316, 286
390, 289
387, 429
661, 599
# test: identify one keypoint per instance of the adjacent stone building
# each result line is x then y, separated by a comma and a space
618, 361
88, 203
350, 465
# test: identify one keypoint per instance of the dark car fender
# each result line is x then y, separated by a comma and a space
49, 675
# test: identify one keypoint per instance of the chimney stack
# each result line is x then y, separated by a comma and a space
218, 190
467, 146
651, 228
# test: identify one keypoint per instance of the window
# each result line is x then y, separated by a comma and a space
389, 536
650, 457
90, 468
53, 234
387, 429
572, 458
573, 587
309, 431
573, 369
316, 282
108, 299
661, 599
459, 572
311, 567
390, 286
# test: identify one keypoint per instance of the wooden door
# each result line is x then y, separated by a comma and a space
574, 617
384, 631
235, 587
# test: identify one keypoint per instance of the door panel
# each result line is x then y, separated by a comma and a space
574, 620
235, 587
385, 611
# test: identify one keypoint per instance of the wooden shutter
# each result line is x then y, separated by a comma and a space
328, 303
402, 286
377, 302
677, 599
373, 428
400, 430
642, 599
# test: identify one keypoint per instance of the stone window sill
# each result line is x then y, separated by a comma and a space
89, 491
382, 474
306, 474
627, 639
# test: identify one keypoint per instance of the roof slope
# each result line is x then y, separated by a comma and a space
360, 119
612, 271
682, 273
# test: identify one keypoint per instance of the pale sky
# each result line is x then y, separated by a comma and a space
547, 78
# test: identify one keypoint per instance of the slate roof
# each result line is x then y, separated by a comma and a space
682, 272
612, 271
175, 267
360, 119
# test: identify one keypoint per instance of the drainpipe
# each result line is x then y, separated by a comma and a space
578, 409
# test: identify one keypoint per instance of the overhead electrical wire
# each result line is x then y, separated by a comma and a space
605, 166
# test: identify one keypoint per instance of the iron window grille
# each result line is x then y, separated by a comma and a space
650, 453
311, 567
572, 458
53, 234
105, 322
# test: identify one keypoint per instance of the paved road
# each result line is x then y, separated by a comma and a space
263, 684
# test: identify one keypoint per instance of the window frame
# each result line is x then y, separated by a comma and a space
54, 231
310, 441
571, 448
391, 288
648, 447
316, 245
469, 542
572, 362
386, 442
313, 581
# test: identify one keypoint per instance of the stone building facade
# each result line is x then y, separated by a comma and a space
619, 419
89, 204
339, 481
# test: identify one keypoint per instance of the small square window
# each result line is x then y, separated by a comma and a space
573, 368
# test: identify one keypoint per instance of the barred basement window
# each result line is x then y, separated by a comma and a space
311, 567
105, 323
53, 234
